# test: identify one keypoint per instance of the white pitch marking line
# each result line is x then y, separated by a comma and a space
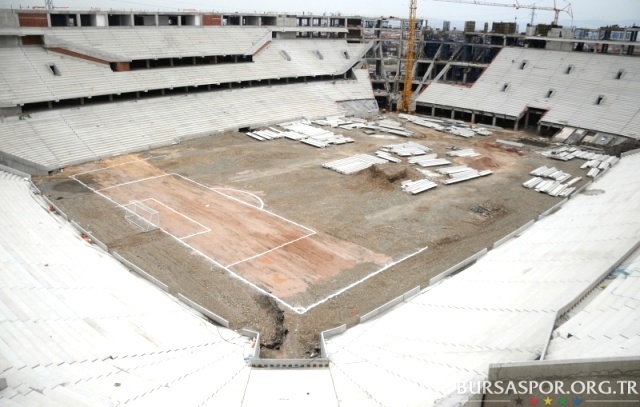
342, 290
244, 203
133, 182
117, 204
118, 165
207, 230
239, 190
244, 280
297, 310
271, 250
194, 234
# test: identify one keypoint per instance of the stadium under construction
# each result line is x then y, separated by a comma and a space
203, 208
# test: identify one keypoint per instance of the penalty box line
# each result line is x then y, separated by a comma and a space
271, 250
206, 229
118, 165
235, 275
247, 204
133, 182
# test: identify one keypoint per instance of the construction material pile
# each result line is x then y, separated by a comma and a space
553, 186
380, 124
455, 127
306, 133
353, 164
467, 152
406, 149
552, 172
597, 163
459, 173
416, 187
429, 160
265, 135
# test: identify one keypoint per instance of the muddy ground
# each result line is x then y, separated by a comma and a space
367, 209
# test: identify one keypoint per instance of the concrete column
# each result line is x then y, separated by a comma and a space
162, 91
137, 95
433, 110
493, 122
515, 124
464, 77
81, 101
453, 114
473, 117
179, 21
110, 98
148, 64
49, 105
526, 120
157, 20
78, 21
539, 129
170, 61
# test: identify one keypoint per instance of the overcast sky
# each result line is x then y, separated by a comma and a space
621, 11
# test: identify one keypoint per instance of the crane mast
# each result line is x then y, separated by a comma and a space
407, 91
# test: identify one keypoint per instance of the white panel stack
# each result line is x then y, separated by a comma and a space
554, 186
468, 152
407, 149
430, 123
387, 156
593, 173
465, 176
453, 170
429, 161
351, 165
416, 187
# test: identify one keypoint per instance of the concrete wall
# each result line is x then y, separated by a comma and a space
22, 165
8, 19
214, 317
9, 41
584, 382
388, 306
10, 111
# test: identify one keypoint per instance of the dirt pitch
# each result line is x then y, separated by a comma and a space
261, 234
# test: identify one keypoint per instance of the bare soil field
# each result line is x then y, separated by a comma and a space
262, 235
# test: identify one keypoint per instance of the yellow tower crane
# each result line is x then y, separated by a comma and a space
407, 91
517, 5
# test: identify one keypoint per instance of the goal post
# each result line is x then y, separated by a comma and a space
142, 216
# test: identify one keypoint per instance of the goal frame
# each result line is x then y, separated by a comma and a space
142, 216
